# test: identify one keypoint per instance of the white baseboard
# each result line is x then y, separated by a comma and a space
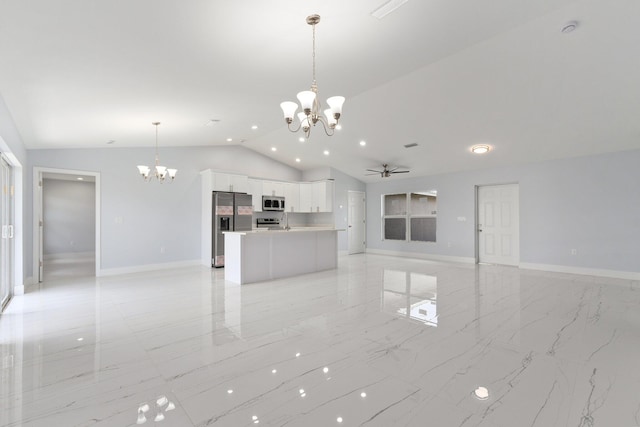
148, 267
419, 255
627, 275
26, 283
69, 255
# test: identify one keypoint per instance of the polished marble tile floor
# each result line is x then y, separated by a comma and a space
381, 341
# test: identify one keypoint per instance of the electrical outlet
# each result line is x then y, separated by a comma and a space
574, 252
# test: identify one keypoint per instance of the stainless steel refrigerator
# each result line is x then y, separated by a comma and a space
231, 212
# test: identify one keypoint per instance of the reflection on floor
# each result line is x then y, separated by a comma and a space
72, 265
381, 341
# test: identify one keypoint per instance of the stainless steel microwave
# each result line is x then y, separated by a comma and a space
272, 203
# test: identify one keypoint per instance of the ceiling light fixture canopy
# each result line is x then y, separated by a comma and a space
311, 110
161, 172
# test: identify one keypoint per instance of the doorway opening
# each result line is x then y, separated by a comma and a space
498, 224
66, 223
356, 230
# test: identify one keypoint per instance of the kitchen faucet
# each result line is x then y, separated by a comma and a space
285, 218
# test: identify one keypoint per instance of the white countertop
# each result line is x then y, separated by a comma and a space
280, 230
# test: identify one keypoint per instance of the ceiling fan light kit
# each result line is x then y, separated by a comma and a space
311, 110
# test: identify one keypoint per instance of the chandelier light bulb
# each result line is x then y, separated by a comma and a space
289, 109
306, 99
141, 418
331, 120
335, 103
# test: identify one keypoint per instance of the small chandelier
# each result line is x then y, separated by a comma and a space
161, 172
311, 114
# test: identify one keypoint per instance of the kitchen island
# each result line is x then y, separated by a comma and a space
259, 255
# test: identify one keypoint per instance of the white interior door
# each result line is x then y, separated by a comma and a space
357, 222
498, 224
6, 246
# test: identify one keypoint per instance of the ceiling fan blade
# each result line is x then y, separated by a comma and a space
400, 171
367, 174
373, 170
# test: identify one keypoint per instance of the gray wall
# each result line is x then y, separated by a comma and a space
590, 203
69, 213
150, 223
343, 184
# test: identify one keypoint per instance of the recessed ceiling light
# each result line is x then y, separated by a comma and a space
326, 152
298, 160
339, 419
481, 393
229, 139
480, 149
274, 149
569, 27
301, 139
338, 127
363, 143
254, 127
80, 178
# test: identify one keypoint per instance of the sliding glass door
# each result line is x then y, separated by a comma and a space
6, 245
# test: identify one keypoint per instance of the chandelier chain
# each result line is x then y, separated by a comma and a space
156, 125
313, 55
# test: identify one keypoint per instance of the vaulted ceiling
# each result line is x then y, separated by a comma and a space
445, 74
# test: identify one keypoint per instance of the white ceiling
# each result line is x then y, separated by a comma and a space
445, 74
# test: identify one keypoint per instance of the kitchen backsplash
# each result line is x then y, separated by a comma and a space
299, 219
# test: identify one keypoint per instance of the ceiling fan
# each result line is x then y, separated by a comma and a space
386, 172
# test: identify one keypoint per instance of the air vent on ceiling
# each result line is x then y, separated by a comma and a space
413, 144
387, 8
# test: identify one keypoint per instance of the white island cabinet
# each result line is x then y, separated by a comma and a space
256, 256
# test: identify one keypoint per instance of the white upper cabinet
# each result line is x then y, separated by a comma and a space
255, 189
230, 182
316, 196
273, 188
240, 183
302, 197
306, 197
292, 196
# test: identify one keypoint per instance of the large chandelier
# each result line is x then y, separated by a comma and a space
160, 172
311, 111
